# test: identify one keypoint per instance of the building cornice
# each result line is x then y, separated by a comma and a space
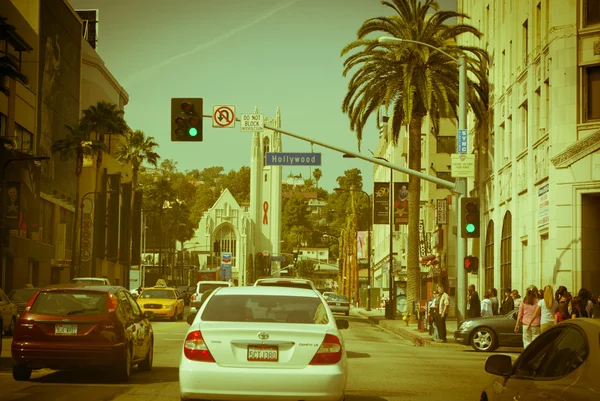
95, 61
577, 151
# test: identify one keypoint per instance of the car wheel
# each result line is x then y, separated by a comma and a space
124, 367
483, 339
21, 373
12, 327
146, 364
348, 313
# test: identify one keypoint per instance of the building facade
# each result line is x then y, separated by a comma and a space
538, 157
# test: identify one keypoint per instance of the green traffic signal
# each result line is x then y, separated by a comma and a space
470, 228
193, 131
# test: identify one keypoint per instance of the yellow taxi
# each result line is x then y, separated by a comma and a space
163, 301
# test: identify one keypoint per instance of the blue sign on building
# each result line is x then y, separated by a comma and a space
462, 139
226, 265
293, 159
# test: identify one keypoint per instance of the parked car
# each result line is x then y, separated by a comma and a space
201, 287
8, 315
329, 294
339, 304
21, 297
272, 342
489, 333
72, 326
90, 281
560, 364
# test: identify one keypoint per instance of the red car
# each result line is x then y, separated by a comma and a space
71, 326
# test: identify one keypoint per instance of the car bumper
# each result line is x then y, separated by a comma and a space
161, 313
462, 337
339, 309
65, 356
207, 380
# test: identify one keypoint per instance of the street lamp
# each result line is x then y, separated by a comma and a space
368, 244
461, 183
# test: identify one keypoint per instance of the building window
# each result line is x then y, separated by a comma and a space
547, 106
592, 12
525, 44
506, 252
444, 175
66, 218
524, 126
2, 125
538, 27
23, 139
489, 256
592, 92
445, 144
226, 240
47, 221
266, 148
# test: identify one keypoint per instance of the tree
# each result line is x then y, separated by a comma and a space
317, 174
103, 119
76, 144
136, 148
414, 81
305, 268
9, 66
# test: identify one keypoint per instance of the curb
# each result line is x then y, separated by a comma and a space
416, 339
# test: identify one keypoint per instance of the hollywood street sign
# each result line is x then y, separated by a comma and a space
293, 159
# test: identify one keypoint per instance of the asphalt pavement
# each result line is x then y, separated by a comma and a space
383, 366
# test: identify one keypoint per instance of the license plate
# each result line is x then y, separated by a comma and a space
65, 330
260, 353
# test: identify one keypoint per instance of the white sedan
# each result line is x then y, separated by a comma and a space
264, 343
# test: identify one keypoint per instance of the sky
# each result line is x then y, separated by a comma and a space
247, 53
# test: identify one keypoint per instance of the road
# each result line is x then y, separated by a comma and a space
382, 367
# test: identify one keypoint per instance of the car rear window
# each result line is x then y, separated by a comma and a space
22, 295
284, 283
70, 303
158, 294
89, 282
211, 286
338, 298
265, 308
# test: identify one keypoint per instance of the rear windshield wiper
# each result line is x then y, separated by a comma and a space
78, 311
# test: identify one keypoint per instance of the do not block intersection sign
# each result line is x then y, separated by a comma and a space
252, 122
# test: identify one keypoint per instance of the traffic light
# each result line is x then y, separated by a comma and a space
186, 119
470, 217
471, 264
295, 254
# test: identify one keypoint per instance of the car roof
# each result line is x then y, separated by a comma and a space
213, 282
73, 286
270, 291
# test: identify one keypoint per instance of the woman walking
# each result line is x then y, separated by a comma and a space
562, 313
546, 308
531, 324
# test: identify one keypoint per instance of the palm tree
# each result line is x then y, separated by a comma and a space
317, 174
8, 65
414, 81
103, 119
77, 144
136, 148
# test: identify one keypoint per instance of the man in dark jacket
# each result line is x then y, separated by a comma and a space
508, 303
473, 302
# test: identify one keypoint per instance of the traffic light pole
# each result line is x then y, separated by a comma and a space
461, 191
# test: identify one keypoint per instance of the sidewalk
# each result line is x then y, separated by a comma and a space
410, 332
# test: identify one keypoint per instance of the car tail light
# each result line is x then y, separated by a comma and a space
330, 303
31, 301
112, 303
329, 352
193, 297
195, 349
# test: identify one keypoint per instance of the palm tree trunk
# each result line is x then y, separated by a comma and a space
414, 201
76, 232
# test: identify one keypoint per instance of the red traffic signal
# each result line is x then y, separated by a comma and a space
471, 264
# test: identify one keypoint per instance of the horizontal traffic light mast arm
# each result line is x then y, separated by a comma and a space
447, 184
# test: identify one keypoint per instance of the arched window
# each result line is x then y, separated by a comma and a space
489, 256
225, 237
266, 148
506, 252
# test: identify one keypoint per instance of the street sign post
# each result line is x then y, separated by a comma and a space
252, 122
226, 265
463, 166
462, 141
293, 159
223, 116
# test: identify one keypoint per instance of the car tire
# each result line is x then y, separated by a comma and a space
146, 364
123, 370
483, 339
21, 373
180, 316
12, 327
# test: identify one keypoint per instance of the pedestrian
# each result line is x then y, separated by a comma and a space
473, 303
526, 316
444, 306
433, 307
508, 303
487, 306
546, 308
517, 298
586, 300
560, 293
577, 308
562, 313
494, 298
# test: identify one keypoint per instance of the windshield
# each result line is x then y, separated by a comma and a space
22, 295
265, 308
160, 294
70, 303
210, 286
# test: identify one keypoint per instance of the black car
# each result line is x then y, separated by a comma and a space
489, 333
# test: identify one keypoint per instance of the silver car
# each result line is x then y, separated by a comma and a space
339, 304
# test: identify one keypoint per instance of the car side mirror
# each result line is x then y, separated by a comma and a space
191, 317
342, 324
149, 314
499, 365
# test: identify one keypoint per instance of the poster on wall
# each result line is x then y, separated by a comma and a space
381, 201
361, 246
400, 204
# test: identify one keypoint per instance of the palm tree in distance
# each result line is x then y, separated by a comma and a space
413, 81
317, 174
8, 64
76, 144
136, 148
103, 119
